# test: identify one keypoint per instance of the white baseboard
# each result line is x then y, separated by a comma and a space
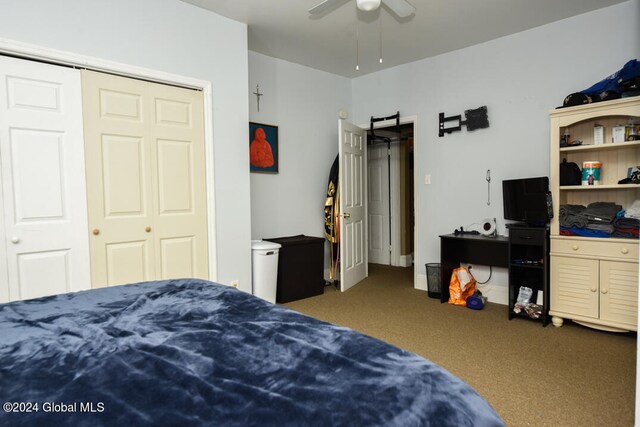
406, 260
495, 294
421, 282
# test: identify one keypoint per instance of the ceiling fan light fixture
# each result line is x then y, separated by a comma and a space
368, 5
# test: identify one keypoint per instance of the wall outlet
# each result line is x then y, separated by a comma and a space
235, 283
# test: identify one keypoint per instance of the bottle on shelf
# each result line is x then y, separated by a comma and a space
565, 141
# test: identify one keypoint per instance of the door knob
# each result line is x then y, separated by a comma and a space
346, 215
604, 291
95, 231
147, 229
15, 239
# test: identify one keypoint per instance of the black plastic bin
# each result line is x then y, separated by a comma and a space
433, 279
300, 267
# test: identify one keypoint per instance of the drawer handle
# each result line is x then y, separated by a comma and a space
575, 247
604, 290
624, 251
594, 289
526, 237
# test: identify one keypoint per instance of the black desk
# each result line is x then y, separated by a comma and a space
471, 248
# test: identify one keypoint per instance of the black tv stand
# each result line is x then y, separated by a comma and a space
515, 225
527, 225
529, 266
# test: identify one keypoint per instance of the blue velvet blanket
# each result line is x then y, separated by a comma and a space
191, 352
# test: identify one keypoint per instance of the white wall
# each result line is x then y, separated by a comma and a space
174, 37
519, 78
304, 104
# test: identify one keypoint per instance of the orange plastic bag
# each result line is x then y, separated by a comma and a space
461, 286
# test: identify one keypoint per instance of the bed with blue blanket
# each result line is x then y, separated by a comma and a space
191, 352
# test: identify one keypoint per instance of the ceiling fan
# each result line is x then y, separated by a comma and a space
402, 8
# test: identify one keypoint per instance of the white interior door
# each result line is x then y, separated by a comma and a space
43, 182
378, 204
353, 207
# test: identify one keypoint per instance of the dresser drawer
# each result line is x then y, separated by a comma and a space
527, 236
600, 248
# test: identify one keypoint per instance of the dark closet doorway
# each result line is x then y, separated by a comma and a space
390, 195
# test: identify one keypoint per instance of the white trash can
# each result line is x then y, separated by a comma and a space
264, 269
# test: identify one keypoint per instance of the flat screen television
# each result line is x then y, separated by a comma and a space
525, 200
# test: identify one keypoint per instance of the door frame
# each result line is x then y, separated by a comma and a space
419, 280
68, 59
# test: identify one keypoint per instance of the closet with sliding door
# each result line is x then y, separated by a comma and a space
102, 180
144, 145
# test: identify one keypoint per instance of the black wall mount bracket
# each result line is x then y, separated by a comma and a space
475, 119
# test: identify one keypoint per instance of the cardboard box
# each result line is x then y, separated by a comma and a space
617, 134
598, 135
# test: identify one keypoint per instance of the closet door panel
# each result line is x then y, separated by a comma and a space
175, 177
178, 257
39, 267
180, 184
119, 185
37, 175
124, 186
43, 192
127, 262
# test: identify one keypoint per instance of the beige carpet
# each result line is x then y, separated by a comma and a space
532, 376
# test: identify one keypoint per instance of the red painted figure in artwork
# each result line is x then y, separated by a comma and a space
260, 150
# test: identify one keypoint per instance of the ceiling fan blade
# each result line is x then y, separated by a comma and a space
325, 6
402, 8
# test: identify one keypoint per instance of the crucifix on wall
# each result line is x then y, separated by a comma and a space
258, 95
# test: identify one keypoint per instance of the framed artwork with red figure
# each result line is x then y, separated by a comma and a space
263, 147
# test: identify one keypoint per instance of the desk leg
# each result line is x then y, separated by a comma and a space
448, 262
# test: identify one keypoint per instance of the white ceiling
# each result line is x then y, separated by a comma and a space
284, 29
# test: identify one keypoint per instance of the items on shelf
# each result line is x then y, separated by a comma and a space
617, 134
529, 261
633, 176
570, 173
591, 172
524, 303
621, 84
600, 219
598, 134
632, 131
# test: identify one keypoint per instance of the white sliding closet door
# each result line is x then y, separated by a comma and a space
43, 218
146, 180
